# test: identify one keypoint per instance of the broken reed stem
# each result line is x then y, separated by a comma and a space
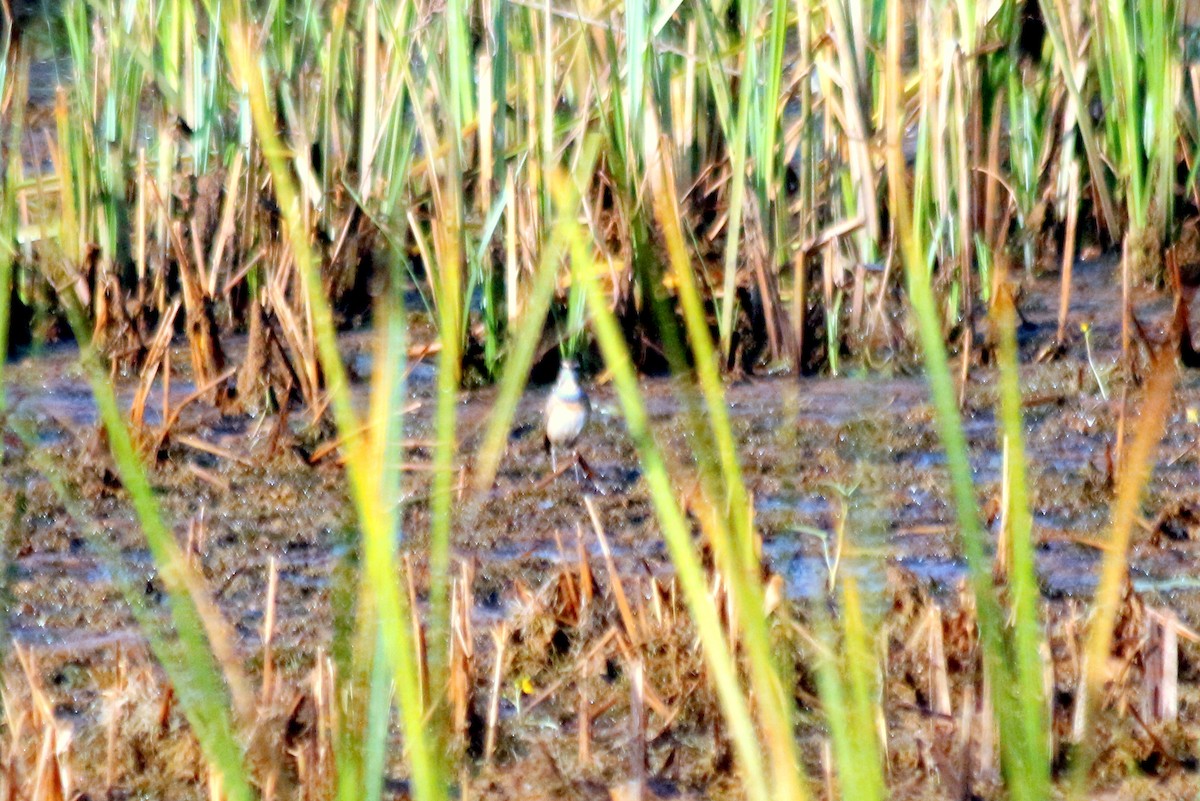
1135, 469
116, 704
500, 638
462, 651
584, 715
1126, 308
586, 581
418, 632
1161, 698
1068, 251
627, 616
155, 360
637, 724
268, 679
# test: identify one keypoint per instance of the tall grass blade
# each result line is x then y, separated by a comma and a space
1027, 637
705, 616
373, 500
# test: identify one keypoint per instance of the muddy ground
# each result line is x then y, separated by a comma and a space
813, 451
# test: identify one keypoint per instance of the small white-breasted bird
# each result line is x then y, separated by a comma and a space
567, 411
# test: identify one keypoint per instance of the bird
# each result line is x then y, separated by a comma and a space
567, 411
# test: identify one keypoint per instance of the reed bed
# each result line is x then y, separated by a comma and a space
432, 142
694, 188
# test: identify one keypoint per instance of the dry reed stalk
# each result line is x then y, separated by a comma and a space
830, 280
165, 707
166, 386
988, 756
566, 583
587, 582
512, 271
967, 134
16, 715
722, 590
500, 638
156, 359
1161, 701
204, 343
799, 307
939, 671
637, 726
267, 693
827, 769
648, 694
1068, 252
1126, 310
656, 602
253, 378
1117, 466
1112, 591
171, 415
116, 697
139, 228
321, 763
198, 444
209, 477
51, 775
296, 332
197, 539
462, 651
221, 639
583, 715
644, 619
965, 731
992, 182
226, 227
323, 451
40, 706
627, 617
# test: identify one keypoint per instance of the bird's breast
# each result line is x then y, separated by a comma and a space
565, 419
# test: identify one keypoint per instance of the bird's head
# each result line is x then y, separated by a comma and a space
567, 385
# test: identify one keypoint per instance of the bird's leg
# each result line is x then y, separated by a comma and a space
553, 459
575, 463
583, 471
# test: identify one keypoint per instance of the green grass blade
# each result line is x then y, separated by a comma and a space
737, 192
373, 502
675, 530
1028, 670
190, 664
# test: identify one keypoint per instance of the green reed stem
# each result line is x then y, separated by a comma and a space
917, 268
705, 615
737, 192
1028, 641
373, 498
190, 663
740, 558
849, 699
